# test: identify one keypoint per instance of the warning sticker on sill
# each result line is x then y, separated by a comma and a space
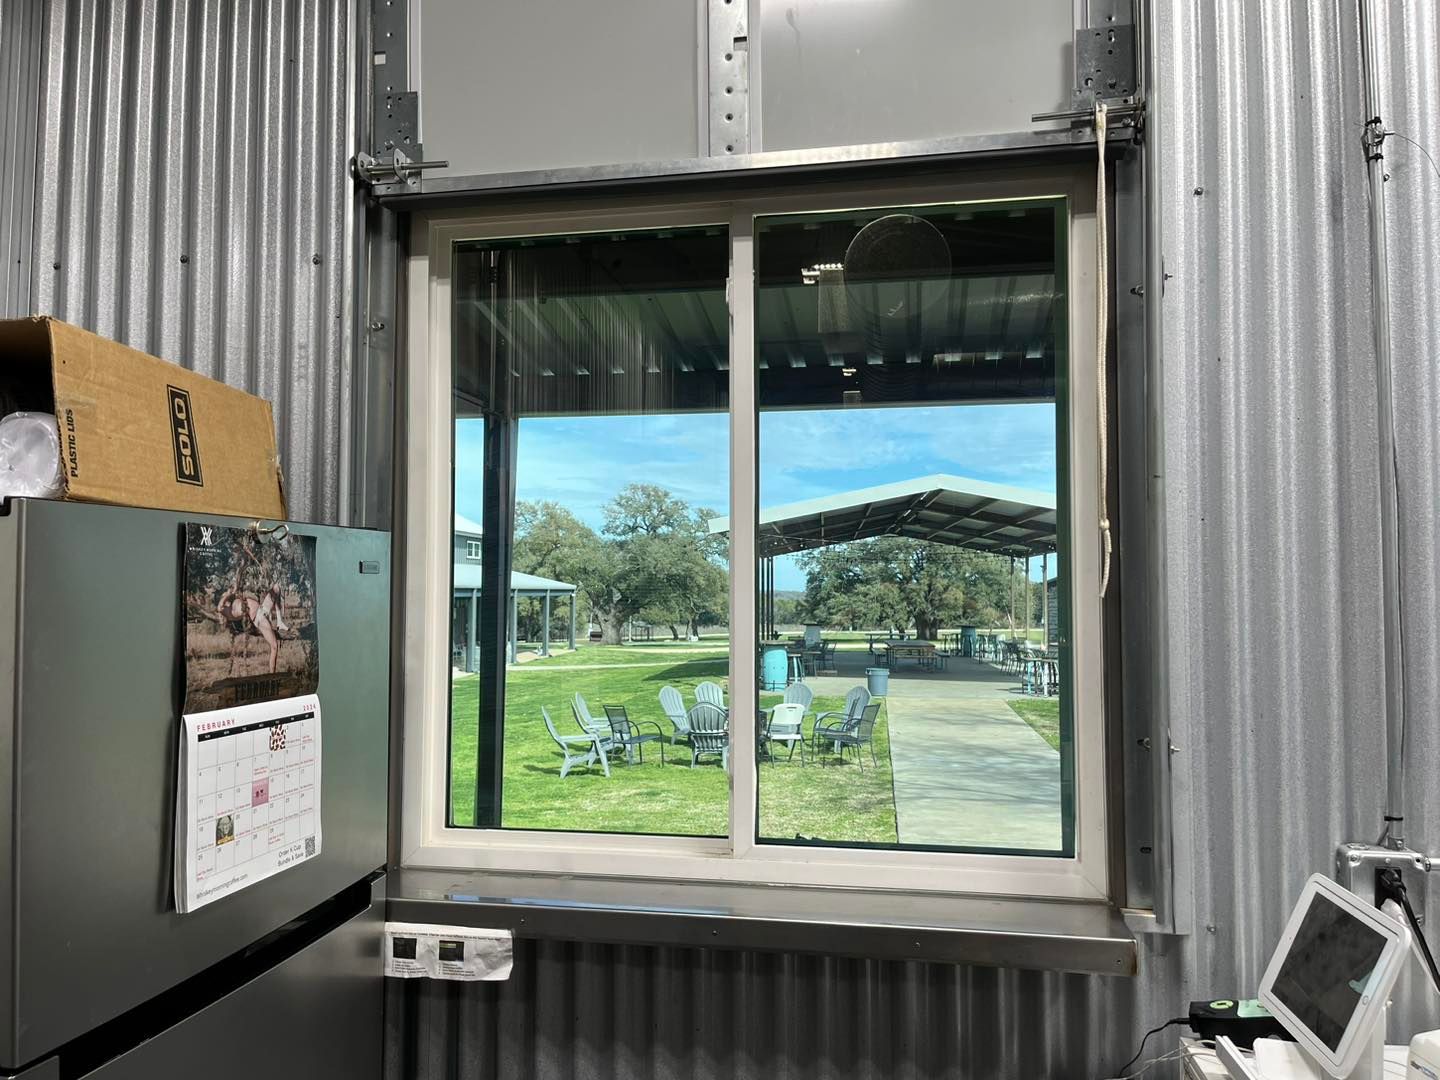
459, 953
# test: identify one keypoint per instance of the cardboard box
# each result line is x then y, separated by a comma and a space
138, 431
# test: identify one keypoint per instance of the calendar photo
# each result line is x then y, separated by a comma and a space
248, 800
250, 625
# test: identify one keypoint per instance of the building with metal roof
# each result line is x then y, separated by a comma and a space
467, 585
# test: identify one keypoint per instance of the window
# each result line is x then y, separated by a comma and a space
736, 472
591, 440
909, 364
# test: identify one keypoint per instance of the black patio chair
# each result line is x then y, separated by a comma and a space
860, 733
626, 734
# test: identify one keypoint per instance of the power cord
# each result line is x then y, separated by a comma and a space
1125, 1069
1395, 883
1102, 336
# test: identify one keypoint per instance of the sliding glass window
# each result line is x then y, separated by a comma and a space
913, 643
590, 608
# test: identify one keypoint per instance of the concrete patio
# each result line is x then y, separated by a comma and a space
968, 772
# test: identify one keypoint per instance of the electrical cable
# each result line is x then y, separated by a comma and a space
1399, 526
1396, 883
1171, 1056
1418, 146
1102, 334
1125, 1069
1160, 1059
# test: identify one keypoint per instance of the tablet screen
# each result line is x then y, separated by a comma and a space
1327, 969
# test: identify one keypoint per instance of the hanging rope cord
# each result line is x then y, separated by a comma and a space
1102, 337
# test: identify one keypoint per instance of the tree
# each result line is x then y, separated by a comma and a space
654, 557
674, 562
893, 581
552, 542
647, 509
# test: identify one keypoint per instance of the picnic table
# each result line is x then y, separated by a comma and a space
881, 638
923, 653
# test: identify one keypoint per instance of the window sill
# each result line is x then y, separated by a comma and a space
1045, 935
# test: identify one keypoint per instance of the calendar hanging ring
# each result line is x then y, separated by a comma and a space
270, 532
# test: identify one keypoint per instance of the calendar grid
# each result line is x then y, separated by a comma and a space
252, 776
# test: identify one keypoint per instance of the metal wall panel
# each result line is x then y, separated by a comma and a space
545, 84
833, 74
1271, 461
194, 201
20, 35
618, 1011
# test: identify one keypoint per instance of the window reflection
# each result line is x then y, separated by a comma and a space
591, 453
912, 594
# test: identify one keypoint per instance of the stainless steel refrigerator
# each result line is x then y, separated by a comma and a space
99, 977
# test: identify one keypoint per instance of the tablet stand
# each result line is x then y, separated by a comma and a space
1371, 1065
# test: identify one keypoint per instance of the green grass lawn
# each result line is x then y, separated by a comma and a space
1042, 714
658, 654
833, 802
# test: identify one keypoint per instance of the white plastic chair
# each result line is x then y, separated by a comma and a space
786, 726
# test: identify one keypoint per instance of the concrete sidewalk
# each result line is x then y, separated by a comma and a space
968, 771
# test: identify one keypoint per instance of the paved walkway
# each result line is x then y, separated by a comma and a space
968, 771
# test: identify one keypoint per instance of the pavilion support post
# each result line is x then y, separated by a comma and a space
545, 639
765, 631
514, 634
1011, 591
770, 595
1045, 599
472, 649
1025, 600
572, 622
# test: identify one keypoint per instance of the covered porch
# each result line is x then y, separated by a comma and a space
466, 649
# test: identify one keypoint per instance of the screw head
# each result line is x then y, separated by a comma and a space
377, 326
184, 258
315, 259
1199, 191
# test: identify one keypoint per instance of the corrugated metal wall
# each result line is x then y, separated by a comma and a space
194, 201
1271, 458
621, 1011
19, 92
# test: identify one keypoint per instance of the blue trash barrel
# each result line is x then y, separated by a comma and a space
877, 681
967, 641
774, 667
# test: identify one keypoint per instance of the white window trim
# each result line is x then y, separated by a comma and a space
426, 841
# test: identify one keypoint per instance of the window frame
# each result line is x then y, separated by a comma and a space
428, 842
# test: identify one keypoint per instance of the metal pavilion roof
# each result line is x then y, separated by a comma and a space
946, 509
467, 578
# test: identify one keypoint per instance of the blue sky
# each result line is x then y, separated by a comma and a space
581, 462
